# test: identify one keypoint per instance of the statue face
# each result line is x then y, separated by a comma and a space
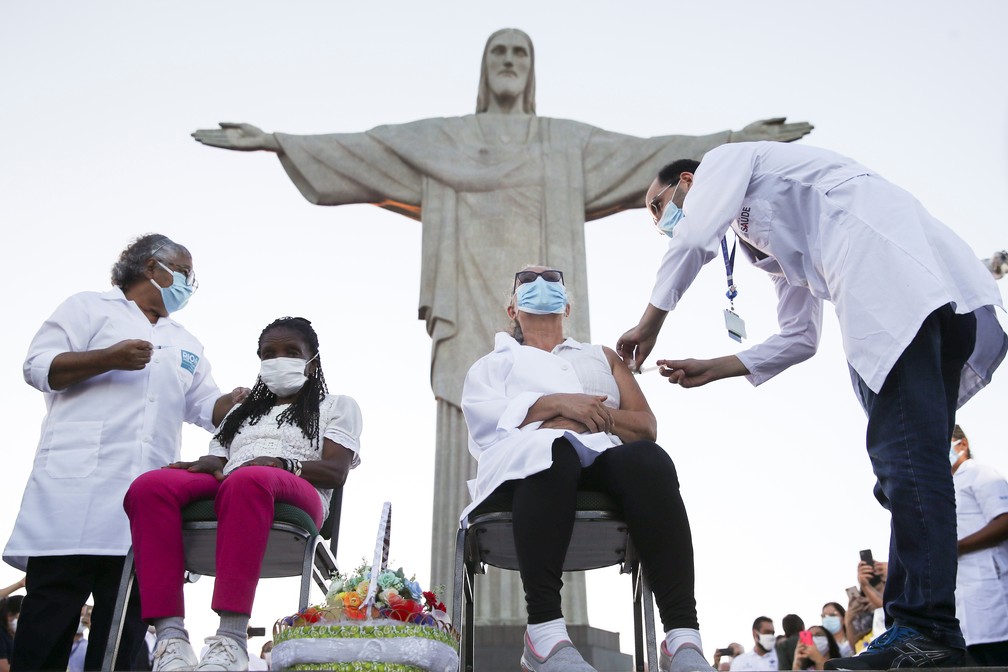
508, 64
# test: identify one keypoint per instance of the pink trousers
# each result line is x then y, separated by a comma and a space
244, 504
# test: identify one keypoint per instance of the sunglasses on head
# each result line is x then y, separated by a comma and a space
522, 277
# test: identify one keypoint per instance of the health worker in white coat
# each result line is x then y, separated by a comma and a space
119, 378
982, 583
916, 311
547, 415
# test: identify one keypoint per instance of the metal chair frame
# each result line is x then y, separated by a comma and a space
600, 539
294, 548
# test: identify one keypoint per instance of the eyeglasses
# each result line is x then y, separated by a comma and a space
522, 277
655, 205
190, 275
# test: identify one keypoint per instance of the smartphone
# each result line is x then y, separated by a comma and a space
724, 652
256, 632
866, 556
805, 637
853, 592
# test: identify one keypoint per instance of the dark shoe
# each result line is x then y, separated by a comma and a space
899, 646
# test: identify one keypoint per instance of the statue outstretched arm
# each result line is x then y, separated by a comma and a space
239, 137
772, 129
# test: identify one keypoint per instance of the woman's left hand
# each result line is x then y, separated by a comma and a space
262, 461
560, 422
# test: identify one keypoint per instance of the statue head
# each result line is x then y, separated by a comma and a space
508, 70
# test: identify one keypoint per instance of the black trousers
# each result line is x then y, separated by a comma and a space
57, 587
640, 476
994, 654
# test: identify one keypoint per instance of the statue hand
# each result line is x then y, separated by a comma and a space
772, 129
240, 137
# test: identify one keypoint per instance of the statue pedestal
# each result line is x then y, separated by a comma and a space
498, 648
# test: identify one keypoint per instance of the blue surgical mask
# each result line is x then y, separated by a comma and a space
832, 624
541, 297
176, 295
671, 216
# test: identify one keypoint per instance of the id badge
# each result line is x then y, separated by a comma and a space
735, 325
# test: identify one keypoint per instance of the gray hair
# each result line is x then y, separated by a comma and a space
132, 261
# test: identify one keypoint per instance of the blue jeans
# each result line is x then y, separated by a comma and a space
910, 425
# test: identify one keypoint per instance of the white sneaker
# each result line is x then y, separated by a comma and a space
174, 653
223, 653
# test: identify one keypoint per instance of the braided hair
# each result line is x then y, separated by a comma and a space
303, 411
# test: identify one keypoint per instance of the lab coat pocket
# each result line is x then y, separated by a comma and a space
72, 450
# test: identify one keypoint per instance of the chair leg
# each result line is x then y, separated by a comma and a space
649, 624
469, 638
324, 566
637, 592
119, 613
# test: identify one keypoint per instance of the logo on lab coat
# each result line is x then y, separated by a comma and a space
743, 220
189, 361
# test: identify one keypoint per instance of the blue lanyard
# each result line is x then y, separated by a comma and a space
729, 264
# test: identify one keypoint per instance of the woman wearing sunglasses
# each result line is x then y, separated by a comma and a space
549, 415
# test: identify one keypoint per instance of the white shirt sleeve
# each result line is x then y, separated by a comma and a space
714, 200
341, 417
201, 396
489, 413
799, 315
991, 492
68, 329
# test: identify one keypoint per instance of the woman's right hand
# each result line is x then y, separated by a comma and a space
587, 409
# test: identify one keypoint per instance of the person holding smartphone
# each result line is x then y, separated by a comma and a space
815, 646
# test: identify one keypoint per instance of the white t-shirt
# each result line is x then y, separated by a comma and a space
982, 580
339, 420
751, 660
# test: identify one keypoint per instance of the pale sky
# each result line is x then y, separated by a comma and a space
99, 99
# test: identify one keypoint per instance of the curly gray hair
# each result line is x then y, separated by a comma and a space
130, 266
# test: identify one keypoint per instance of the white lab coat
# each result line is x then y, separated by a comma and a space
982, 580
828, 229
100, 434
496, 396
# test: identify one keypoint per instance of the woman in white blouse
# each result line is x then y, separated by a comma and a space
289, 441
547, 415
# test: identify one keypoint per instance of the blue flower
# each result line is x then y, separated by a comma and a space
416, 592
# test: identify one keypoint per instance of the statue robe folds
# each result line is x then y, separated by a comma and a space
489, 202
493, 193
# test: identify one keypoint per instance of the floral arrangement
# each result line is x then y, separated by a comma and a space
397, 598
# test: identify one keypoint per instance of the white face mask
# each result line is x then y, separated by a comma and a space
953, 452
832, 623
268, 657
13, 624
768, 641
821, 643
284, 375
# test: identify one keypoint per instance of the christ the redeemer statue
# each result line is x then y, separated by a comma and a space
493, 191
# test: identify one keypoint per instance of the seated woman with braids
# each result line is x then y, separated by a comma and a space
289, 441
547, 416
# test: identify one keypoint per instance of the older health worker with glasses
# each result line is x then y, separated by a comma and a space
119, 377
547, 415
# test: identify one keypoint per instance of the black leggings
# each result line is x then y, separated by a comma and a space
640, 476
